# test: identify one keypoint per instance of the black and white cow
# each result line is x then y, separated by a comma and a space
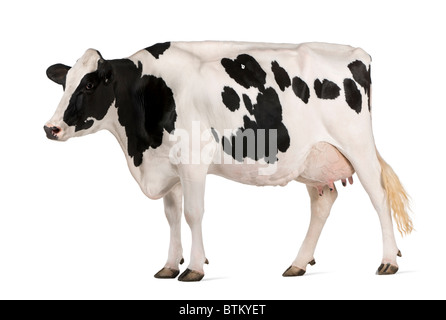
260, 114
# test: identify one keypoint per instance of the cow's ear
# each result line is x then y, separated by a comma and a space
58, 73
105, 71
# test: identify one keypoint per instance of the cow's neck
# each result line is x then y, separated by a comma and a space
122, 110
128, 125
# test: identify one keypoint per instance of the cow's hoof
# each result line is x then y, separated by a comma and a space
167, 273
294, 271
386, 269
190, 275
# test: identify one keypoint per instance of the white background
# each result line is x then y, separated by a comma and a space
74, 224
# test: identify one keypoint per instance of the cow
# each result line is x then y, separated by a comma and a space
256, 113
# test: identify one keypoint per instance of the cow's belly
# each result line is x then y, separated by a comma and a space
322, 166
258, 174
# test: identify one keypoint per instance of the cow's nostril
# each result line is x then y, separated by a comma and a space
52, 131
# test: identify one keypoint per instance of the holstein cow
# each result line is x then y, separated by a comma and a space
256, 113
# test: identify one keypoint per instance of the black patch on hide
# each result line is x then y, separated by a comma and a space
281, 76
362, 76
267, 113
158, 49
230, 99
326, 89
248, 103
300, 89
352, 95
246, 71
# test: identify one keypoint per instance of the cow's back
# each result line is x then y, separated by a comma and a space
208, 51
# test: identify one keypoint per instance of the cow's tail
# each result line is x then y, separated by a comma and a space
397, 197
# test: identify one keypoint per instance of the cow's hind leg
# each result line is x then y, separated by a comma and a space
369, 171
173, 209
320, 210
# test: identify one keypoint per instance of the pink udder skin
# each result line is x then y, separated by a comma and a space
324, 165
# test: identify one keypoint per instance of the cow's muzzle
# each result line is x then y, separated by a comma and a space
52, 132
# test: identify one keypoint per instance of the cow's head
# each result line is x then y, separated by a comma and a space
88, 94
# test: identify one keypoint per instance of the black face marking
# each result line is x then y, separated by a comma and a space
361, 76
300, 89
352, 95
268, 115
246, 71
91, 99
230, 99
326, 89
158, 49
281, 76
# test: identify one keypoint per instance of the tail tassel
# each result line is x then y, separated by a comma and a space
397, 198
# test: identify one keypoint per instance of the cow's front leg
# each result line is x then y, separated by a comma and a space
193, 183
173, 209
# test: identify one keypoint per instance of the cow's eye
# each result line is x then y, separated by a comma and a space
89, 86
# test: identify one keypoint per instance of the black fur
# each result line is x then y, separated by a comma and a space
362, 76
145, 108
300, 89
248, 103
352, 95
246, 71
91, 99
58, 73
326, 89
281, 76
230, 99
158, 49
268, 116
